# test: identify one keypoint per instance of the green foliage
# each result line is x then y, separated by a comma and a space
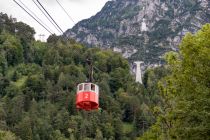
11, 49
186, 91
39, 49
4, 82
7, 23
3, 64
127, 128
23, 129
38, 84
7, 135
24, 31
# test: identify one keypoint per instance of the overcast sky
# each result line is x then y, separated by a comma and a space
77, 9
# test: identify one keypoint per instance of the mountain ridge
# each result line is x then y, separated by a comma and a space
119, 23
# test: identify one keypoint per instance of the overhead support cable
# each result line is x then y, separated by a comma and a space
32, 16
38, 6
35, 15
65, 11
49, 16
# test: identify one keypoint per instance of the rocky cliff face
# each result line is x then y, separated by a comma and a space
119, 25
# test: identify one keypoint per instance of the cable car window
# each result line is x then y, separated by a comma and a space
93, 87
80, 87
87, 87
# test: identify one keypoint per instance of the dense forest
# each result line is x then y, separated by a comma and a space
38, 85
185, 92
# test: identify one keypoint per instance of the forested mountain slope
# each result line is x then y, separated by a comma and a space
38, 83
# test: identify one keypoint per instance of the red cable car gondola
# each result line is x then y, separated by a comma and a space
87, 97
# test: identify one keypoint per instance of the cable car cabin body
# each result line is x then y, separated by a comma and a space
87, 96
